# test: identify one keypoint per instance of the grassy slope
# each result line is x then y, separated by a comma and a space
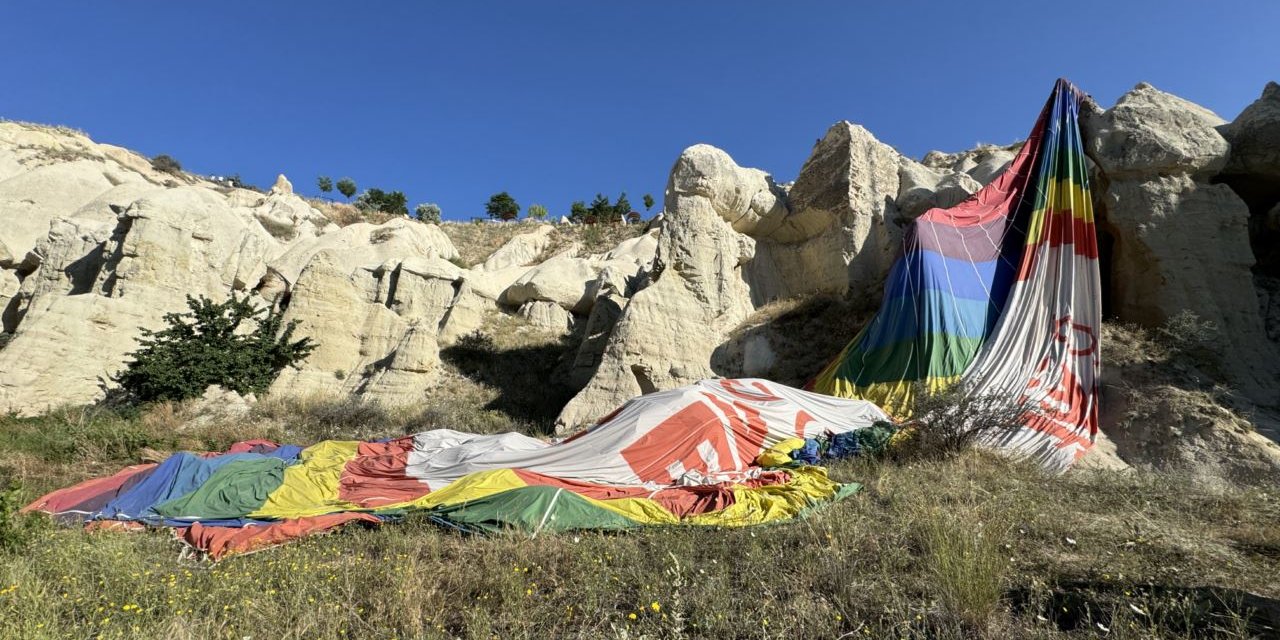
929, 549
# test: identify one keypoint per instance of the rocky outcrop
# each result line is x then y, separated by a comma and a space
82, 317
1253, 172
842, 230
1255, 138
1180, 243
921, 188
982, 164
521, 250
667, 332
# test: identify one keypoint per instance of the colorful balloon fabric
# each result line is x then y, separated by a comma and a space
1001, 295
685, 456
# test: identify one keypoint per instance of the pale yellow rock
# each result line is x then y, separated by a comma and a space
520, 250
412, 370
333, 302
282, 186
368, 245
1180, 243
546, 314
668, 331
83, 315
32, 199
465, 315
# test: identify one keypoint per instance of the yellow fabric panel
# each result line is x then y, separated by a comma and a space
808, 486
1069, 196
483, 484
779, 454
472, 486
895, 398
642, 510
310, 487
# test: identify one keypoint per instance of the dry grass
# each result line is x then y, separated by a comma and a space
944, 549
475, 241
344, 214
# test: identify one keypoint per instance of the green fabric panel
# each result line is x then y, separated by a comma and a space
234, 491
947, 356
533, 509
873, 439
843, 491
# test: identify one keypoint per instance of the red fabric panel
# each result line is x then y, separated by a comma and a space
585, 489
677, 439
220, 541
248, 446
67, 498
375, 477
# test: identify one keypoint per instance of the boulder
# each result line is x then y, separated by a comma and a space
68, 261
414, 367
1151, 132
982, 163
842, 232
282, 186
921, 188
1179, 243
465, 315
419, 289
563, 280
545, 314
334, 301
1255, 138
574, 283
520, 250
595, 336
216, 405
667, 332
492, 284
283, 214
367, 245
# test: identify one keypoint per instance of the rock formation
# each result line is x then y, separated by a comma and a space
1180, 242
99, 245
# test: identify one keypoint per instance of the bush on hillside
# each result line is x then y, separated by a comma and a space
502, 206
949, 422
347, 187
167, 164
428, 212
206, 346
390, 202
16, 529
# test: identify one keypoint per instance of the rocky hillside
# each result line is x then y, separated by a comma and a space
740, 276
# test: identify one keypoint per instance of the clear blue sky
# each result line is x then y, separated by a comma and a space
554, 101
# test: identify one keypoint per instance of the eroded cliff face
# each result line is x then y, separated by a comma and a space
738, 276
1186, 229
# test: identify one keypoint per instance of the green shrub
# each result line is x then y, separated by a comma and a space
502, 206
16, 529
205, 346
347, 187
392, 202
166, 164
428, 212
325, 184
951, 421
